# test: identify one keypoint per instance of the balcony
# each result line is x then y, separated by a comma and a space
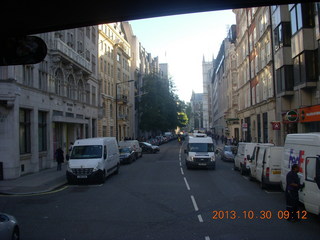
123, 117
61, 48
122, 99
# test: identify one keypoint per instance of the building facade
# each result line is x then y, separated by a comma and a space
256, 110
207, 72
116, 82
49, 105
296, 57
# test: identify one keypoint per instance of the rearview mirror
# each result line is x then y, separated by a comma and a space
22, 50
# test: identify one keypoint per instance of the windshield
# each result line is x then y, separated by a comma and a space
85, 152
124, 150
201, 147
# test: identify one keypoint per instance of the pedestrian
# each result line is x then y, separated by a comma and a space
292, 192
59, 157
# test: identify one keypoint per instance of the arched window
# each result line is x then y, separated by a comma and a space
71, 87
58, 83
111, 109
81, 91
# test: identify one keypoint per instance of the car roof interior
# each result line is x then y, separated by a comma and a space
21, 19
31, 17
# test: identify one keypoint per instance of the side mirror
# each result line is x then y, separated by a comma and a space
104, 156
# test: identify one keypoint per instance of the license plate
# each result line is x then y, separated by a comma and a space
82, 176
202, 164
276, 171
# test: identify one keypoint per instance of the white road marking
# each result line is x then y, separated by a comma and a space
182, 171
180, 164
206, 238
194, 203
200, 218
187, 184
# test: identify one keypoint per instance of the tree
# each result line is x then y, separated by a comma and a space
158, 106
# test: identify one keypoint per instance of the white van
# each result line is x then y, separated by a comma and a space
265, 164
200, 153
134, 144
245, 149
304, 149
93, 159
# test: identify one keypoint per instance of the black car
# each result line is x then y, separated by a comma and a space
127, 155
149, 148
228, 153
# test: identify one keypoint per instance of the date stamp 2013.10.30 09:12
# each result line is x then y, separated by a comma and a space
250, 214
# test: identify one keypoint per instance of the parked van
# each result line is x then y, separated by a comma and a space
93, 159
245, 149
134, 144
200, 152
265, 164
304, 149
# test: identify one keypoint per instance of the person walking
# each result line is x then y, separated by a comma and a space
292, 192
59, 157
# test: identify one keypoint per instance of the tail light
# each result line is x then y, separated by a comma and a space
267, 172
245, 161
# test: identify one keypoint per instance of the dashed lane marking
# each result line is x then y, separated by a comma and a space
187, 184
194, 203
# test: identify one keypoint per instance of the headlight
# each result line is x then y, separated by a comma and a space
213, 158
191, 158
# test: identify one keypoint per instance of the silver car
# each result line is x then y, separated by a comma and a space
9, 228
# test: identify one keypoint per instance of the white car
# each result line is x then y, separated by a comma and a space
9, 228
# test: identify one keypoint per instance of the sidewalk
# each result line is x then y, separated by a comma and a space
40, 182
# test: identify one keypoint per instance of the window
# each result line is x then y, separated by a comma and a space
24, 131
104, 131
118, 57
93, 63
282, 35
284, 78
94, 89
43, 75
28, 75
305, 67
265, 127
311, 168
88, 31
42, 131
302, 16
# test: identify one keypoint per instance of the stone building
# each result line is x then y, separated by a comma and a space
50, 104
116, 82
256, 110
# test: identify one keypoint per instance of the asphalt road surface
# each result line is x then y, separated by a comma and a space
155, 198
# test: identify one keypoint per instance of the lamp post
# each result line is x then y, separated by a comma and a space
117, 104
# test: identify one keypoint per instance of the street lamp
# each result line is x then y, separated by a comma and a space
117, 104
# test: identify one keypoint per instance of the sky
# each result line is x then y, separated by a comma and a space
182, 41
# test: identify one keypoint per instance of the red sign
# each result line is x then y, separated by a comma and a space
276, 125
310, 114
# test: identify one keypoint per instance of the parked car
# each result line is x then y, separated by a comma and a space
9, 227
149, 148
127, 155
134, 145
228, 153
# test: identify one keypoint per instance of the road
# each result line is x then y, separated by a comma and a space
156, 198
